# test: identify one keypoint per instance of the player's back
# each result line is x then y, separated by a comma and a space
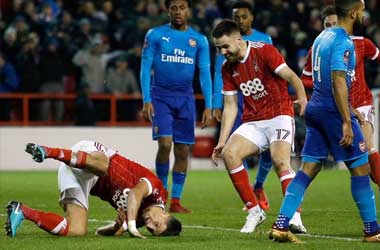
360, 94
123, 175
175, 54
332, 51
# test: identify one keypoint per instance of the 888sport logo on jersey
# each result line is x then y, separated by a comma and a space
254, 88
120, 198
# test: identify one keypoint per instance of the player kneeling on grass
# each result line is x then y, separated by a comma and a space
91, 168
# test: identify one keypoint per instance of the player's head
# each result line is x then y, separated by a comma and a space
179, 11
329, 16
242, 14
161, 223
228, 40
352, 10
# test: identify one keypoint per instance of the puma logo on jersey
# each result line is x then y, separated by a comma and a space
235, 74
167, 39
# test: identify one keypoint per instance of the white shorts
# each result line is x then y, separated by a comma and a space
368, 112
75, 184
265, 132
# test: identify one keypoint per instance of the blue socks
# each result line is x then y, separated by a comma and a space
178, 182
293, 198
365, 201
162, 171
265, 165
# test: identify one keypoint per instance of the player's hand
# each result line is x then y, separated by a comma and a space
133, 231
359, 116
148, 111
217, 153
302, 102
116, 228
218, 114
206, 118
121, 217
348, 135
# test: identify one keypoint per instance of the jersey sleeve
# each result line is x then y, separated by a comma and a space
203, 53
229, 87
307, 72
204, 71
341, 55
371, 51
217, 98
146, 64
273, 58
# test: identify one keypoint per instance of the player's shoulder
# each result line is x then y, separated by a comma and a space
158, 30
196, 34
265, 37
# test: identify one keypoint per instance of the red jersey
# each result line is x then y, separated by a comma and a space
123, 175
307, 72
265, 93
360, 94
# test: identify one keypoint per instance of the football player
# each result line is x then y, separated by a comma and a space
91, 168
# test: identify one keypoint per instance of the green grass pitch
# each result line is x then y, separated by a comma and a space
329, 214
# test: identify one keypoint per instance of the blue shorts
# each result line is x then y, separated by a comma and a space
174, 116
323, 133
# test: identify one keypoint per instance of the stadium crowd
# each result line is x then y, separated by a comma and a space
60, 46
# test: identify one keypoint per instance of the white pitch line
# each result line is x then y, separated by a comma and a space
237, 230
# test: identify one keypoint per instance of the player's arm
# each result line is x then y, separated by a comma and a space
230, 111
371, 51
116, 228
217, 98
341, 101
205, 80
290, 76
307, 72
145, 78
135, 197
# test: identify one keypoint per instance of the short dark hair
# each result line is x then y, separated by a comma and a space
225, 27
242, 5
328, 11
174, 227
167, 3
343, 7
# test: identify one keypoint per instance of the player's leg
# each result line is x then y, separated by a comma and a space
292, 200
367, 129
364, 197
183, 137
314, 151
265, 165
356, 159
239, 146
280, 131
162, 131
373, 154
181, 156
50, 222
95, 162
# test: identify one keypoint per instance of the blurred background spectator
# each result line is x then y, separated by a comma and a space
8, 84
88, 32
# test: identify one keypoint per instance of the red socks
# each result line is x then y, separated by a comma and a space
76, 160
50, 222
374, 162
240, 179
286, 177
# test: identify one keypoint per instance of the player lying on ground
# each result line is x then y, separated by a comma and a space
91, 168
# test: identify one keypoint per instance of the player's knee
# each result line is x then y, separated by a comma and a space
77, 231
230, 155
181, 152
280, 163
164, 147
99, 161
